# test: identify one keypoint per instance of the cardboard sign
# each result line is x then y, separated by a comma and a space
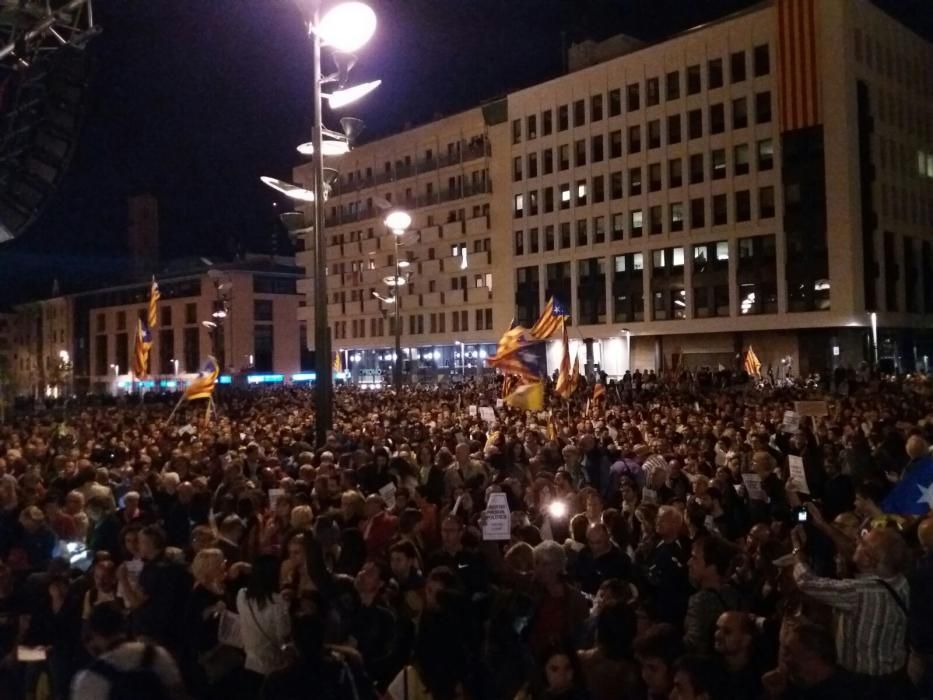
388, 495
275, 495
791, 422
816, 409
487, 414
797, 474
497, 524
753, 487
472, 410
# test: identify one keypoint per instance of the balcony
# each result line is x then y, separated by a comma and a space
334, 282
432, 299
452, 229
430, 234
369, 245
478, 224
371, 306
477, 260
430, 267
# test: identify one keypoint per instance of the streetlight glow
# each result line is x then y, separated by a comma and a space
397, 221
288, 189
341, 98
329, 147
347, 27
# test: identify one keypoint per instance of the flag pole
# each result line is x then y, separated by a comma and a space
172, 414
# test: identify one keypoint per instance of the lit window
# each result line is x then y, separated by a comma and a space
638, 261
581, 190
678, 257
722, 250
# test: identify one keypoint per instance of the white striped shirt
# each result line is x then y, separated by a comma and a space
871, 627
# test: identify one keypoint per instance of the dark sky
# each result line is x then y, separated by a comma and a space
193, 100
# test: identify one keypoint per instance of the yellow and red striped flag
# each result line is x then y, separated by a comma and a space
752, 363
203, 385
141, 348
564, 385
575, 373
599, 392
798, 65
551, 319
152, 316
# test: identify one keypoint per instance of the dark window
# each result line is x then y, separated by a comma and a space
765, 154
563, 118
672, 86
122, 352
720, 210
599, 229
532, 165
262, 310
547, 125
743, 206
766, 203
547, 156
563, 156
697, 213
191, 344
694, 82
100, 355
677, 217
548, 200
581, 232
673, 129
516, 168
655, 220
714, 74
739, 113
717, 119
696, 169
516, 131
519, 242
675, 173
762, 60
695, 123
618, 226
634, 182
191, 313
740, 160
615, 144
599, 189
263, 347
596, 108
762, 107
579, 113
596, 149
737, 67
533, 241
632, 95
654, 133
565, 234
579, 153
654, 177
718, 164
166, 351
634, 139
166, 316
652, 92
531, 126
615, 185
549, 238
615, 103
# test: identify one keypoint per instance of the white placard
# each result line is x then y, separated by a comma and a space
30, 654
274, 495
753, 487
497, 519
791, 422
487, 414
388, 495
472, 411
500, 403
797, 474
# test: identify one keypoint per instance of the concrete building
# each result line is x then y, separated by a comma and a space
451, 313
764, 180
243, 312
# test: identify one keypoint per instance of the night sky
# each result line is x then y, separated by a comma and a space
193, 100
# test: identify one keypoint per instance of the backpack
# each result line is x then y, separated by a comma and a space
141, 683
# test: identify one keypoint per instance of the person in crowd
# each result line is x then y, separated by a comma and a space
709, 566
560, 677
734, 643
656, 650
264, 624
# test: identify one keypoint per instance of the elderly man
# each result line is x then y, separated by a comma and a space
667, 569
871, 609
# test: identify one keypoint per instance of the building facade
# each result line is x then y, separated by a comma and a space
242, 312
763, 180
451, 312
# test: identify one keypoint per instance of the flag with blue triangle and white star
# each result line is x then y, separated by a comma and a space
913, 495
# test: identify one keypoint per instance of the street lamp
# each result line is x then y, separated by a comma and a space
175, 365
346, 27
397, 222
462, 357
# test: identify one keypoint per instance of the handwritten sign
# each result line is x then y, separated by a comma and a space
816, 409
388, 495
472, 410
791, 422
797, 474
275, 495
753, 487
497, 519
487, 414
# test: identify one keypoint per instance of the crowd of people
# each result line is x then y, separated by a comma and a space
657, 545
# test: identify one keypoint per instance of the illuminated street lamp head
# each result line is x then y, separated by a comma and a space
393, 281
288, 189
347, 26
210, 325
329, 147
341, 98
220, 313
384, 300
398, 221
404, 263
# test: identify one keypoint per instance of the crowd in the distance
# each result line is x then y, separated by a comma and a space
658, 547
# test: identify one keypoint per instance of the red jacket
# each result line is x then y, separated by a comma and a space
378, 532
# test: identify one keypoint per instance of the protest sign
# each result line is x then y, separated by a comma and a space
797, 475
487, 414
497, 519
816, 409
388, 495
791, 422
753, 487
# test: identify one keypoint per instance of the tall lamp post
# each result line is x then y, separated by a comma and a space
345, 27
398, 222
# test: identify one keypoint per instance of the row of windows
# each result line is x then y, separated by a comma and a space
165, 317
910, 71
674, 218
656, 176
418, 324
453, 215
596, 150
676, 84
480, 245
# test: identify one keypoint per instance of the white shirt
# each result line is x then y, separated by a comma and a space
128, 657
264, 630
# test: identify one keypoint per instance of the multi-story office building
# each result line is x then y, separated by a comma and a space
241, 312
763, 180
450, 313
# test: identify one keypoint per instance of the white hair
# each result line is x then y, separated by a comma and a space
550, 552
